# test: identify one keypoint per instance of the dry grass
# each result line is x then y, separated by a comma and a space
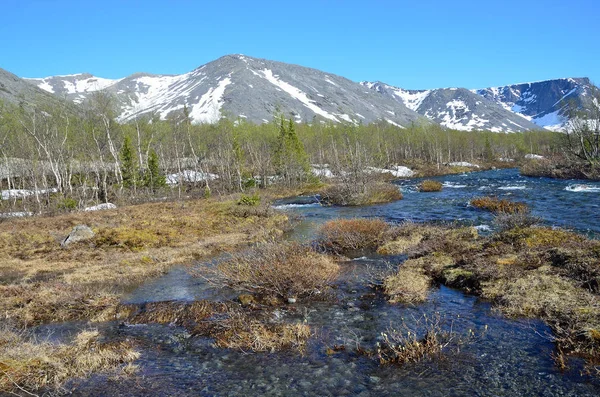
230, 326
345, 235
354, 195
44, 282
282, 270
540, 272
238, 331
495, 204
28, 367
402, 238
407, 286
430, 186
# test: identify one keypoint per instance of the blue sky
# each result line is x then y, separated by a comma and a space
431, 44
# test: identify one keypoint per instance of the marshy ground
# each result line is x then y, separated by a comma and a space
379, 306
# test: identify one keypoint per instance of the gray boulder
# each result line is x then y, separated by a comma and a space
79, 233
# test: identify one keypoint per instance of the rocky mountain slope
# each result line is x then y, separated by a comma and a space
240, 86
16, 90
456, 108
543, 102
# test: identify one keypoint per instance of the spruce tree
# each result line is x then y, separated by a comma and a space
153, 178
128, 165
290, 159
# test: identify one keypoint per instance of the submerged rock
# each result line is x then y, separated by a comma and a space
79, 233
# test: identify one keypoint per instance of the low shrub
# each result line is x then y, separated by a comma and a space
430, 186
516, 220
495, 204
344, 235
284, 270
428, 337
249, 200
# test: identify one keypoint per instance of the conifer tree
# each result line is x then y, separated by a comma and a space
153, 178
129, 167
290, 159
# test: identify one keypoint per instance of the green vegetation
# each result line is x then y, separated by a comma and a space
92, 158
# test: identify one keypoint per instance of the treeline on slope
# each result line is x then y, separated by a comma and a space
71, 160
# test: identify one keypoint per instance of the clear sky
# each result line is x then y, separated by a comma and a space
411, 44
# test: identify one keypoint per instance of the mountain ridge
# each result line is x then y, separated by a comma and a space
257, 89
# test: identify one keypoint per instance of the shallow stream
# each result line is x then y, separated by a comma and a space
508, 357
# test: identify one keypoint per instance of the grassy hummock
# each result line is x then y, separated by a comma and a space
355, 195
526, 271
430, 186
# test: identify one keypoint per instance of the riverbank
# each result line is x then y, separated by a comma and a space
44, 282
560, 169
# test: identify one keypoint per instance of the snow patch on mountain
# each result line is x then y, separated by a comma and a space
294, 93
208, 110
551, 121
412, 99
73, 84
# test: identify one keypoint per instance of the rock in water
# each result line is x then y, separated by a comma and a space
79, 233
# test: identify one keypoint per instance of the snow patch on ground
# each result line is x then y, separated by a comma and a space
15, 214
101, 207
22, 193
462, 164
532, 156
190, 176
398, 171
322, 170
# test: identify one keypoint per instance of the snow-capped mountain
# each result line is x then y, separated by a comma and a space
543, 102
238, 86
456, 108
244, 87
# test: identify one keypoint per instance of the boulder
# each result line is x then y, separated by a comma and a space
79, 233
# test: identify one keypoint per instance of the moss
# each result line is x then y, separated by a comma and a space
459, 278
433, 264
